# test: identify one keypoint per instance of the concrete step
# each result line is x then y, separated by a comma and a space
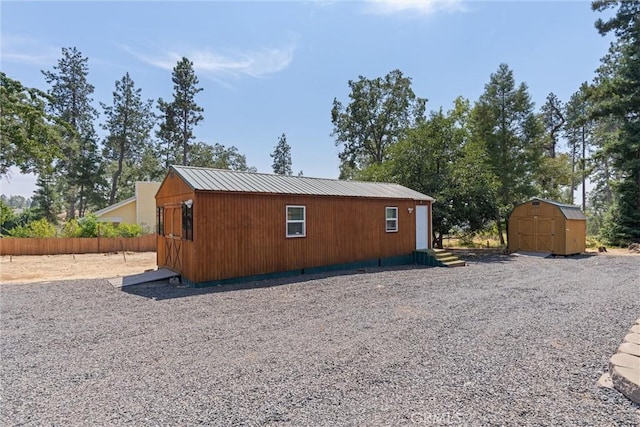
448, 259
458, 263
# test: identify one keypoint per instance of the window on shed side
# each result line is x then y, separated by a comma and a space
187, 222
392, 219
160, 221
296, 217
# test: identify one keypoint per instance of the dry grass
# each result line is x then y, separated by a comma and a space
41, 268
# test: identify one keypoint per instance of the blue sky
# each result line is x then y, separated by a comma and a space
271, 67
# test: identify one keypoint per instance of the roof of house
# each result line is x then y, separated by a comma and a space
569, 211
115, 206
234, 181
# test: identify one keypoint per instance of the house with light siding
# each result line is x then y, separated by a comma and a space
139, 209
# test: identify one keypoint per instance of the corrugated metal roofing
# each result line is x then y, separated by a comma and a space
569, 211
234, 181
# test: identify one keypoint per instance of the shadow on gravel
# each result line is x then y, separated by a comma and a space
482, 255
163, 290
485, 256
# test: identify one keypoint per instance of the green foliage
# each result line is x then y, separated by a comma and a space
578, 130
129, 230
380, 113
615, 95
29, 137
593, 241
77, 170
89, 226
554, 177
7, 217
37, 228
71, 229
282, 157
46, 202
179, 117
437, 158
129, 122
218, 156
503, 122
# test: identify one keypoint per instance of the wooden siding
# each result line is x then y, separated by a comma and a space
62, 245
172, 251
238, 235
543, 228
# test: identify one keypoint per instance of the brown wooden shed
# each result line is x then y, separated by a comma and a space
215, 226
541, 225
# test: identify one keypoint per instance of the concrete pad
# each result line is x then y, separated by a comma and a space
629, 348
632, 338
146, 277
625, 360
534, 254
605, 381
627, 382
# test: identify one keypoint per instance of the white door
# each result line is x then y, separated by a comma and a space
422, 229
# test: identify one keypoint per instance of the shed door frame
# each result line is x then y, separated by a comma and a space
422, 227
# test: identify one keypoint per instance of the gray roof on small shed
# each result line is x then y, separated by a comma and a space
569, 211
233, 181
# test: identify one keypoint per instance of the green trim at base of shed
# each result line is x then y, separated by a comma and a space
418, 257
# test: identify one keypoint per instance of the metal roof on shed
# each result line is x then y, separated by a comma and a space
569, 211
233, 181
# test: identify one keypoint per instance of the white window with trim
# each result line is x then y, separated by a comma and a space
296, 221
392, 219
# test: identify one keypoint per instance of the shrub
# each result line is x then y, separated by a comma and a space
129, 230
38, 228
71, 229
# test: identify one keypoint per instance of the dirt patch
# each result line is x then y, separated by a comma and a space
42, 268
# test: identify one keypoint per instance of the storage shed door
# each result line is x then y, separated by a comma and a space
422, 230
535, 234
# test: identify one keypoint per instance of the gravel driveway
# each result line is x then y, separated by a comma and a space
507, 340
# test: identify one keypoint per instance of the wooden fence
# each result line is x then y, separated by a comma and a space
76, 245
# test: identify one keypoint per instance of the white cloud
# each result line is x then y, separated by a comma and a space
221, 65
27, 51
420, 7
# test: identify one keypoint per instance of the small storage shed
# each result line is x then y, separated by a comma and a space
215, 226
541, 225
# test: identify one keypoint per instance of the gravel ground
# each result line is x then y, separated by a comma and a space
507, 340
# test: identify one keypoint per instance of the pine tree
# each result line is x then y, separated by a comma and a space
45, 202
78, 169
180, 116
578, 131
504, 122
616, 95
282, 157
554, 177
129, 122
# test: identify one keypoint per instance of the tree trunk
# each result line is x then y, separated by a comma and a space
499, 224
116, 176
81, 201
114, 183
573, 172
184, 139
584, 174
